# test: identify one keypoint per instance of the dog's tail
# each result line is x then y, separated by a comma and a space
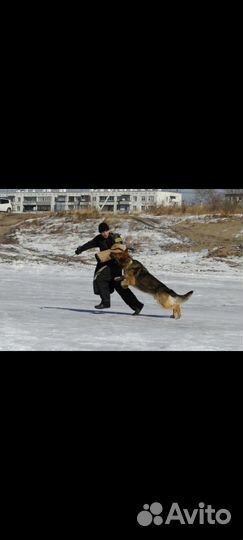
181, 298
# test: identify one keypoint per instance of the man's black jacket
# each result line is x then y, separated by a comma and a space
103, 244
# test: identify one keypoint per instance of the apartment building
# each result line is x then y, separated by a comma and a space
119, 200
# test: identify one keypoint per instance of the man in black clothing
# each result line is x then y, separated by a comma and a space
104, 283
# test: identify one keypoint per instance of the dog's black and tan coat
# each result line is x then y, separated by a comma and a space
136, 275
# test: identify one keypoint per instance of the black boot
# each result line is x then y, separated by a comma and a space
138, 309
102, 306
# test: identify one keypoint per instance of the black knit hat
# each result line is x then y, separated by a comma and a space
103, 227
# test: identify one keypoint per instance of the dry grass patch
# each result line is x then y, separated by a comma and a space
222, 208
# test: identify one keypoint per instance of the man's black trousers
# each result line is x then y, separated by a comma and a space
104, 285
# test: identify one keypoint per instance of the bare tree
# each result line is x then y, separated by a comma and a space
234, 191
206, 196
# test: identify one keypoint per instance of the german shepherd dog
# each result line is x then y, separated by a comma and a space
136, 275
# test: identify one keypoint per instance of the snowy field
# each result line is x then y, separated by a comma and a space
51, 307
47, 300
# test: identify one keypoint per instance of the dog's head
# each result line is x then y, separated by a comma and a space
121, 256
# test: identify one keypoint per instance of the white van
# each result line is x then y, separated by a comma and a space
5, 205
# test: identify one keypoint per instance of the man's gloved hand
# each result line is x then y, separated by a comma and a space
78, 250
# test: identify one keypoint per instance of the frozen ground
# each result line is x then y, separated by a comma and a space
47, 300
51, 307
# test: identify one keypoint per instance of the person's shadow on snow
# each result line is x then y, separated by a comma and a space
96, 312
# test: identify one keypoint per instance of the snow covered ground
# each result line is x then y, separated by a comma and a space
55, 241
47, 300
50, 307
